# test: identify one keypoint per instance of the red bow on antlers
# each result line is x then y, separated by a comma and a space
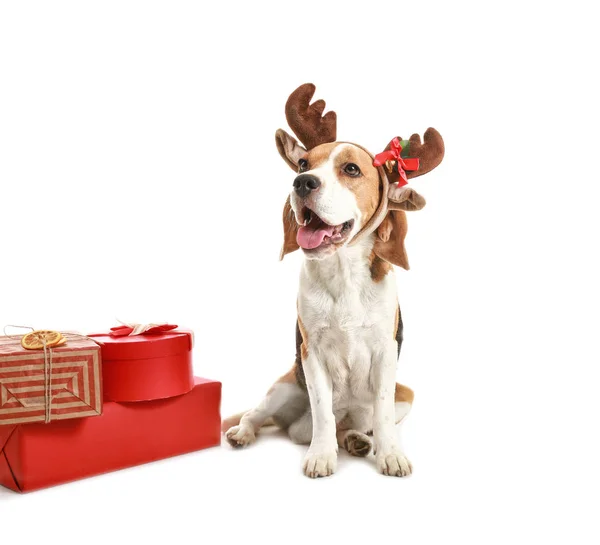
393, 154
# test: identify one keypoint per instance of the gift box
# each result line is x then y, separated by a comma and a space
146, 367
47, 385
34, 456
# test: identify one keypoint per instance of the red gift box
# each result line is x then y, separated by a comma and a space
145, 367
44, 386
34, 456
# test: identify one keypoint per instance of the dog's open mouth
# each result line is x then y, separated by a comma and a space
316, 233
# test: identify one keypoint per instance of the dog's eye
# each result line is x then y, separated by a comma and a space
302, 165
352, 170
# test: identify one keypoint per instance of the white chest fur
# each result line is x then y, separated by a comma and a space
349, 319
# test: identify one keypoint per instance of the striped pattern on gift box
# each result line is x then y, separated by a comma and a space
36, 387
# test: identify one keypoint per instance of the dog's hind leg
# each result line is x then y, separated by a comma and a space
284, 403
354, 441
300, 431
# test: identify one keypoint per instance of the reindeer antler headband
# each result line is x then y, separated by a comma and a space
306, 120
400, 161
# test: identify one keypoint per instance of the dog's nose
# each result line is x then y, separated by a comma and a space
305, 183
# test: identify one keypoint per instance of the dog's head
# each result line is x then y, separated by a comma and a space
339, 194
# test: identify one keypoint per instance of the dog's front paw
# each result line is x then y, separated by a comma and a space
393, 463
240, 436
321, 463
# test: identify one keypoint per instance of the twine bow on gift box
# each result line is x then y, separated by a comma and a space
47, 374
394, 155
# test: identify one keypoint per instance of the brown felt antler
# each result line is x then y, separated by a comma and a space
306, 120
430, 153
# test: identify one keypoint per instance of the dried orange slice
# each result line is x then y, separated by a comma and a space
35, 339
63, 340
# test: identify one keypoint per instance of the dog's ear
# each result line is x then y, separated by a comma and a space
389, 239
290, 230
288, 148
390, 235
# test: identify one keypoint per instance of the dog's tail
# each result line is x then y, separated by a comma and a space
235, 420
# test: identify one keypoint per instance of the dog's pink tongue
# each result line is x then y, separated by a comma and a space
310, 236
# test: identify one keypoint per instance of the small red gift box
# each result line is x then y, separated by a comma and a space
43, 386
34, 456
146, 367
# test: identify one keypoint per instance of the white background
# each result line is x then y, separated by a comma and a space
139, 180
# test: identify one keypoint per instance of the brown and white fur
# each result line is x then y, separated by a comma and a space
342, 390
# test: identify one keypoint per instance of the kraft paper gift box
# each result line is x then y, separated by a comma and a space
49, 385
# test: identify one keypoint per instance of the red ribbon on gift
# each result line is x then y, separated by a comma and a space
393, 154
140, 329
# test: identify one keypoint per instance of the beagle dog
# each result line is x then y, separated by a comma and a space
346, 211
